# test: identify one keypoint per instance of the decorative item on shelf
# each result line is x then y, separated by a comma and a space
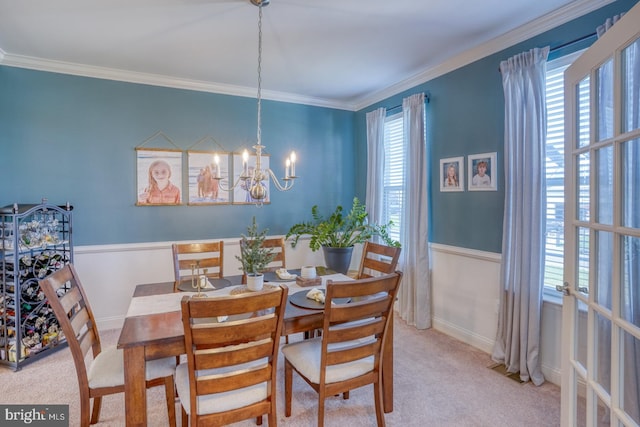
254, 181
338, 233
254, 258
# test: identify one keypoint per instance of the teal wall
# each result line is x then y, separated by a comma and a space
465, 115
69, 138
73, 139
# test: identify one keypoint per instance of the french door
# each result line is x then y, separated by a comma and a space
601, 306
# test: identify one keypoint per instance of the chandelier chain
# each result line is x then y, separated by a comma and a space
259, 131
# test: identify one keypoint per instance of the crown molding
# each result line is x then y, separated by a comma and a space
547, 22
82, 70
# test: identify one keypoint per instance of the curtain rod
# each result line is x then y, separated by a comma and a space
426, 99
570, 43
578, 40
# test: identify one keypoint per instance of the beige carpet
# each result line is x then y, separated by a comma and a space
438, 382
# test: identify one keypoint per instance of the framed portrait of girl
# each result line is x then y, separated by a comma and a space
452, 174
159, 177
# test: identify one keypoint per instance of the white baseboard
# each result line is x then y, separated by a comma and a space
466, 336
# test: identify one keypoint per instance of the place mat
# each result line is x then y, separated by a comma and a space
212, 285
244, 289
300, 299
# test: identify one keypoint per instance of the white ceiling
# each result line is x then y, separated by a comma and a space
339, 53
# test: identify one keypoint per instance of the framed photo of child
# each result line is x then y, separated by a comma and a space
159, 177
483, 172
208, 177
452, 174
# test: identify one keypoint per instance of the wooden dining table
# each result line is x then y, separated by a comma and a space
160, 334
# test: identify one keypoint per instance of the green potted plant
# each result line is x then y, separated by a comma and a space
338, 233
253, 257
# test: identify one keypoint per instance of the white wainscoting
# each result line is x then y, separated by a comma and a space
465, 293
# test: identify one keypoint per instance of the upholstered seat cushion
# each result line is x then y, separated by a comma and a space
305, 356
219, 402
107, 370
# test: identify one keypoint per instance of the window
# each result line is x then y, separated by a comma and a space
393, 192
554, 238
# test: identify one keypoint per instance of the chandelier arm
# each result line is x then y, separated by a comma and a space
240, 178
288, 183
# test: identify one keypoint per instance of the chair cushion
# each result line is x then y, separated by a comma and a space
305, 357
107, 370
219, 402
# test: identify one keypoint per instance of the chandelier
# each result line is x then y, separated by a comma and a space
254, 180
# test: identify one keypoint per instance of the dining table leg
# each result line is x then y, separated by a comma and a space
135, 390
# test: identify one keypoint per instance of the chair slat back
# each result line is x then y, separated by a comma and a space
357, 329
208, 255
277, 245
67, 298
378, 260
236, 336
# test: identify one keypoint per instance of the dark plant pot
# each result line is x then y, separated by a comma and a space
338, 259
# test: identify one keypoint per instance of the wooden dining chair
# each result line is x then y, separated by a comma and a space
209, 256
348, 354
232, 345
377, 260
277, 245
103, 373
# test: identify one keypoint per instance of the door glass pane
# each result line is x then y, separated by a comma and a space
581, 334
583, 198
630, 86
605, 100
605, 265
630, 307
584, 114
631, 184
631, 376
583, 260
603, 351
603, 416
605, 185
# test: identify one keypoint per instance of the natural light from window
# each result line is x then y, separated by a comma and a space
393, 173
554, 237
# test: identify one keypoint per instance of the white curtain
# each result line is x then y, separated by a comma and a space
414, 296
518, 337
375, 164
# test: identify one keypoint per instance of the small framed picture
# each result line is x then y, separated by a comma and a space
452, 174
159, 177
208, 177
483, 169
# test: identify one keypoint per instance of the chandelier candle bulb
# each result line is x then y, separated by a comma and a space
293, 163
245, 163
216, 160
287, 164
